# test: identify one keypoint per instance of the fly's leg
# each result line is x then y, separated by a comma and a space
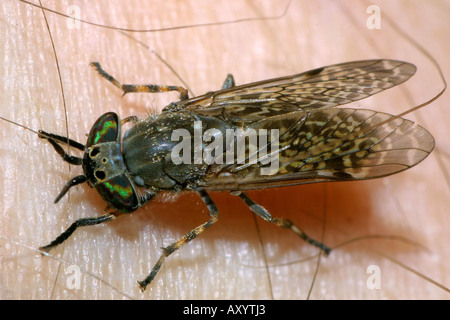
214, 216
71, 183
127, 88
79, 223
65, 156
132, 119
54, 139
281, 222
229, 82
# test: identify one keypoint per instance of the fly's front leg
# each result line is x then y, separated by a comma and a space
127, 88
281, 222
61, 139
54, 139
79, 223
214, 216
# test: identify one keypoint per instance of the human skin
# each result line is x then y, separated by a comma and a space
241, 256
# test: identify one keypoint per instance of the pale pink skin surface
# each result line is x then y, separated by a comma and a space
227, 261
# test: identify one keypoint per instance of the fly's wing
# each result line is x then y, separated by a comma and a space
317, 142
321, 88
325, 145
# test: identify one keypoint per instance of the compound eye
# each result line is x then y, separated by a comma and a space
119, 193
105, 129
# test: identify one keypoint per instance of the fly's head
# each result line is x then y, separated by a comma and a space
104, 167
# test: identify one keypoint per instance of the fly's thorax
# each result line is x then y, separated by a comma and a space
147, 149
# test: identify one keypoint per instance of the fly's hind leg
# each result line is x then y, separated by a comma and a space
229, 82
281, 222
127, 88
214, 216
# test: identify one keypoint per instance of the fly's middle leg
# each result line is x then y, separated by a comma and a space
281, 222
214, 217
127, 88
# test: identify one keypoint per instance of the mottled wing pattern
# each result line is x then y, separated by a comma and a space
330, 145
317, 142
321, 88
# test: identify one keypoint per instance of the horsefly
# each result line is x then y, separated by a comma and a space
272, 133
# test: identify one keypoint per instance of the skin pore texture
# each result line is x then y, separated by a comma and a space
241, 256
